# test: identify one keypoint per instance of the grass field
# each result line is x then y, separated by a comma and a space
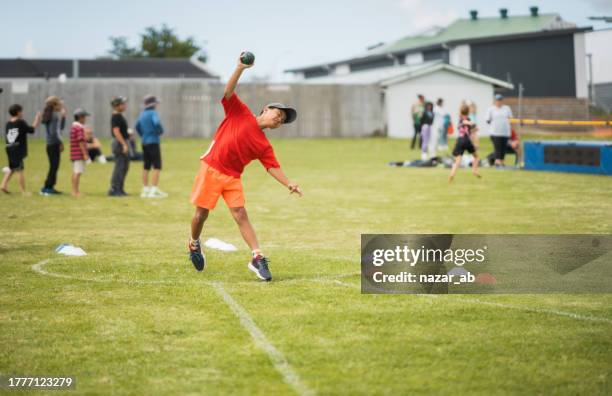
133, 317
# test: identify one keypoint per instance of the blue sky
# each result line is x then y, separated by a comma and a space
282, 34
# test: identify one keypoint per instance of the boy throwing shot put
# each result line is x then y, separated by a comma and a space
239, 139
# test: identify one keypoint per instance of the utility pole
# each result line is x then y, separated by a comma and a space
520, 108
591, 87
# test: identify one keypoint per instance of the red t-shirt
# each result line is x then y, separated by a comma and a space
238, 141
77, 135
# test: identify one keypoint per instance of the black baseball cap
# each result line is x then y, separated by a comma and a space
117, 100
290, 113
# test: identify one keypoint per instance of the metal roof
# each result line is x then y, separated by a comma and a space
372, 76
386, 76
468, 29
105, 68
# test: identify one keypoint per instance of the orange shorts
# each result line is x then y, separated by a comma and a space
210, 184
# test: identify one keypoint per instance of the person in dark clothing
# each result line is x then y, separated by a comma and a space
54, 120
426, 121
513, 146
94, 148
119, 146
466, 139
17, 131
417, 112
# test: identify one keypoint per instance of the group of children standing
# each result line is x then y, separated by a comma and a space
84, 147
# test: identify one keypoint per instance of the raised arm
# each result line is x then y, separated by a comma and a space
230, 87
279, 175
31, 128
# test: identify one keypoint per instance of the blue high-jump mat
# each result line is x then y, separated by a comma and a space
569, 156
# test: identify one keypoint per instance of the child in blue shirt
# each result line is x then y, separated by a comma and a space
149, 128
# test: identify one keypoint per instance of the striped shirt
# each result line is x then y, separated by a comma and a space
77, 135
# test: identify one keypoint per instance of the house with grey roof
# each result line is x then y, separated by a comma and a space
133, 68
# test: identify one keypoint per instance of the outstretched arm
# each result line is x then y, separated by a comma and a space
36, 122
233, 80
279, 175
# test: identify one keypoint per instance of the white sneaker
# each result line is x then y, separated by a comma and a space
145, 193
102, 159
155, 192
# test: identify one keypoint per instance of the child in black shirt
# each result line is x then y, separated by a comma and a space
17, 145
119, 128
465, 142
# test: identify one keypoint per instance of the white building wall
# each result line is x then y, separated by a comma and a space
599, 44
461, 56
342, 69
450, 86
582, 86
414, 59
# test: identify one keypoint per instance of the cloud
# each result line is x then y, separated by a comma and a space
601, 5
28, 49
423, 15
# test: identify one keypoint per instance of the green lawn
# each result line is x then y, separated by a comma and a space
133, 317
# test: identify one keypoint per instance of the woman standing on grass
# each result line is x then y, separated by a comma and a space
438, 131
54, 120
498, 118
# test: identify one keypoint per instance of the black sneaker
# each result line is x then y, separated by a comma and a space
196, 256
53, 191
259, 265
113, 193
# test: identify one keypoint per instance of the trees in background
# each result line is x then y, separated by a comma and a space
162, 42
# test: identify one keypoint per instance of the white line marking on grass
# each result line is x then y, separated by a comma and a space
278, 359
354, 286
38, 267
540, 310
504, 305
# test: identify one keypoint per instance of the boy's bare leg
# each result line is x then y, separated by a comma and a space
197, 222
22, 185
145, 178
155, 178
454, 168
5, 180
75, 184
475, 162
246, 229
